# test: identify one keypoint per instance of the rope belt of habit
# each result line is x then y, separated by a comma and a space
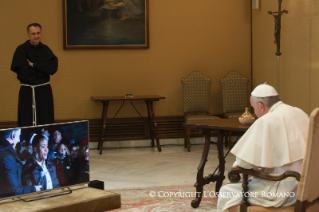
34, 110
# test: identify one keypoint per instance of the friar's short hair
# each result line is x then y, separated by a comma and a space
34, 25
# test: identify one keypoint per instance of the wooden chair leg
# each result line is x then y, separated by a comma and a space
226, 140
243, 207
188, 129
185, 137
230, 143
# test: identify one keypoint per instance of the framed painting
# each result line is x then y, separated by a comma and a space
92, 24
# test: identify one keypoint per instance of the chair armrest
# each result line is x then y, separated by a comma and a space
234, 177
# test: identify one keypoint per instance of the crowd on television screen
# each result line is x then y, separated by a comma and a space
41, 158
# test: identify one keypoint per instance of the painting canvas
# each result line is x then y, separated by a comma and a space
105, 24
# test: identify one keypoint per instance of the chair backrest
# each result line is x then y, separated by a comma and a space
234, 92
196, 92
308, 188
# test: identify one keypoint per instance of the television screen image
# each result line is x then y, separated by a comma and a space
41, 158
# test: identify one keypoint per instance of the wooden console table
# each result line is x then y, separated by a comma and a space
149, 99
206, 126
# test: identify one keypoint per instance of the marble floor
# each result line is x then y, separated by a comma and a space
128, 167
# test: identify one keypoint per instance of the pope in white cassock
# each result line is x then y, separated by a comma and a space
275, 142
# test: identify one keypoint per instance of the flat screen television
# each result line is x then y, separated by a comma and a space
43, 158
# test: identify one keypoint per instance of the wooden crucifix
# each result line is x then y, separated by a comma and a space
277, 15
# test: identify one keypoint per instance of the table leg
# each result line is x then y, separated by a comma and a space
151, 119
149, 122
103, 126
220, 176
201, 181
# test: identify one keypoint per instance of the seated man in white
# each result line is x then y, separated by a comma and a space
275, 143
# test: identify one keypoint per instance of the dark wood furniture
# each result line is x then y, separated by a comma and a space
206, 126
234, 177
149, 99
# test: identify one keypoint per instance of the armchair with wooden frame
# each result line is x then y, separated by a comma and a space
196, 97
234, 97
308, 188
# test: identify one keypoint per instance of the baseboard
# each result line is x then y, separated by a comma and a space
123, 129
134, 132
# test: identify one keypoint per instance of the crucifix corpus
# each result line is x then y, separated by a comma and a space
277, 15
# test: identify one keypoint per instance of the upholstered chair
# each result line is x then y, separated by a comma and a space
234, 96
308, 188
196, 96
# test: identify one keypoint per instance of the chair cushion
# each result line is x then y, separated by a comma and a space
195, 118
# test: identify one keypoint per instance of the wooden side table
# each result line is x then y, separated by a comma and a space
206, 126
149, 99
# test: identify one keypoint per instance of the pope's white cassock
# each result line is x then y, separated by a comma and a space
275, 142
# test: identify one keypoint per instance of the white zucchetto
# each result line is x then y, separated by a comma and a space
264, 90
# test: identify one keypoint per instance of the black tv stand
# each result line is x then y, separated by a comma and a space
47, 194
